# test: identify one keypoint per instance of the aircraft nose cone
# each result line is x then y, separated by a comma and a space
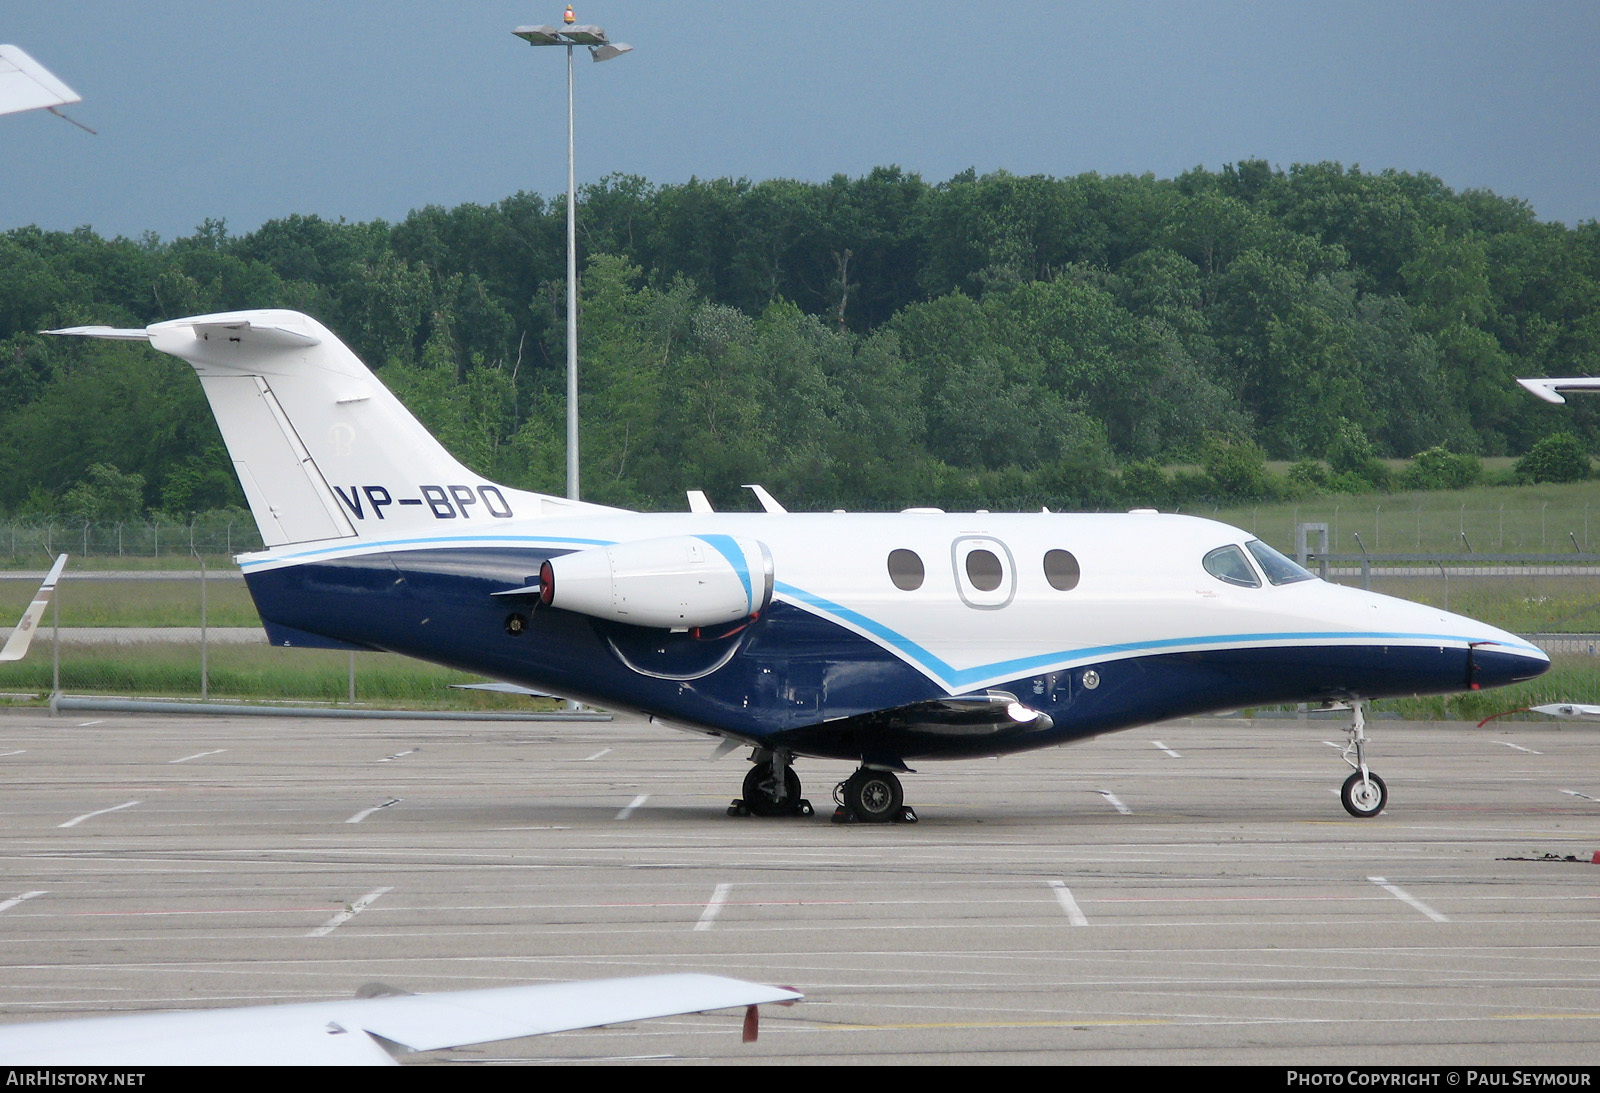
1495, 665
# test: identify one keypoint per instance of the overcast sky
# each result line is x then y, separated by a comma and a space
364, 109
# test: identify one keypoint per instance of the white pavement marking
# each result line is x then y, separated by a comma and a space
633, 804
1575, 793
1114, 802
1406, 897
364, 813
1166, 749
76, 820
596, 755
1064, 897
709, 915
197, 755
86, 724
19, 751
1519, 747
10, 903
398, 754
348, 913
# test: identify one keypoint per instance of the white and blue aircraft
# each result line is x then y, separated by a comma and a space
884, 639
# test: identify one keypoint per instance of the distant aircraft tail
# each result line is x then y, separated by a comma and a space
22, 637
323, 450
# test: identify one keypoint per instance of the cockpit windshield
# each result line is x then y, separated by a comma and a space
1228, 563
1278, 568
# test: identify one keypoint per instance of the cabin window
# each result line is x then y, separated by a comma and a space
905, 570
984, 570
1061, 570
1279, 568
1228, 563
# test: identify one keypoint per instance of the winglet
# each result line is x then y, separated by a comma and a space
22, 637
768, 502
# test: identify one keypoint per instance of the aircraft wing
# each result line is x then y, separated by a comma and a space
17, 645
503, 688
371, 1030
25, 84
1573, 711
1550, 389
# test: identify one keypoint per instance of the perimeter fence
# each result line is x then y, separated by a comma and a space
28, 543
195, 634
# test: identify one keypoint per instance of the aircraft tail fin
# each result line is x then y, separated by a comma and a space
322, 448
22, 637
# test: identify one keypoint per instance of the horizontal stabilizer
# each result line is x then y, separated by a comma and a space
114, 333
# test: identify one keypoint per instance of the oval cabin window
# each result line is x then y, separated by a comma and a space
905, 570
1061, 570
984, 570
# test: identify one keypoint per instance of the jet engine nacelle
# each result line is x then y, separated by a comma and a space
681, 582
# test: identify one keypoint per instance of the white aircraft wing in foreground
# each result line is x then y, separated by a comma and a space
367, 1031
17, 644
1551, 389
1572, 711
25, 84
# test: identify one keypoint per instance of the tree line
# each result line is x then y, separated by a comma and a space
874, 342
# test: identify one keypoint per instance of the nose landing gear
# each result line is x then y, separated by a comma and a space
1363, 793
771, 787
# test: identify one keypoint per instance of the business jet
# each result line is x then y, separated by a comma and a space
377, 1026
884, 639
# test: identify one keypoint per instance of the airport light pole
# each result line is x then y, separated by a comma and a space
601, 48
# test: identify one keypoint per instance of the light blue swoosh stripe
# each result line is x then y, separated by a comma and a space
365, 546
730, 550
965, 677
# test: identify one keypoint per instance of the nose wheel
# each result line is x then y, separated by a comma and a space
771, 788
1363, 793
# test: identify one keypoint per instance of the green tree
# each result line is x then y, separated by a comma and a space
1558, 458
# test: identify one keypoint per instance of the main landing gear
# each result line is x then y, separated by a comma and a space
872, 797
1364, 793
771, 787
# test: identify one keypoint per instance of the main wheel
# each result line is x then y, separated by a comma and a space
1364, 798
758, 786
875, 796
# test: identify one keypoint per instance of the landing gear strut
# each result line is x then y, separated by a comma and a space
873, 797
771, 787
1364, 793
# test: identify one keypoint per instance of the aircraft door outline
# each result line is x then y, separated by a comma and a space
985, 572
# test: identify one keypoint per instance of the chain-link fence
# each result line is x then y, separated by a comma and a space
195, 634
27, 543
